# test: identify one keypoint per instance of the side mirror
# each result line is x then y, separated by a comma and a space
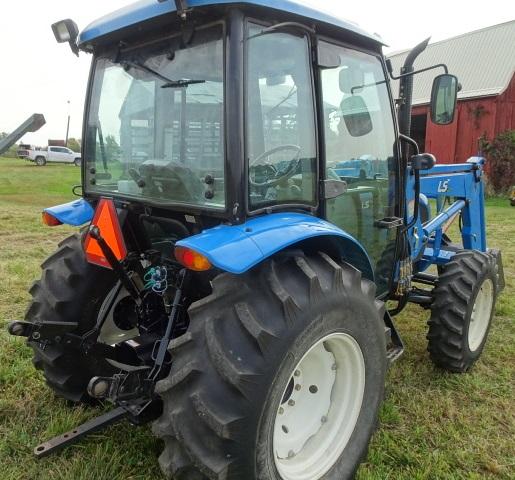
356, 116
423, 161
67, 31
443, 99
328, 56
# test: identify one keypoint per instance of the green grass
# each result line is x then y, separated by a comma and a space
434, 425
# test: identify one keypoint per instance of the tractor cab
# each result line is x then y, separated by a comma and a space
229, 112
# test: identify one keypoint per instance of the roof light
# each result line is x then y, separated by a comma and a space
49, 220
192, 260
106, 219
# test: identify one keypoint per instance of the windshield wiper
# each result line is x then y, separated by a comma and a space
169, 83
181, 83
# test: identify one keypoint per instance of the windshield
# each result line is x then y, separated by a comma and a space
155, 123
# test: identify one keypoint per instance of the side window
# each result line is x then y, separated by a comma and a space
281, 142
360, 150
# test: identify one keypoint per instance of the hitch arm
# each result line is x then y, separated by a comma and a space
71, 437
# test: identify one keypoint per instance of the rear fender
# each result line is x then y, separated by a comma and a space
238, 248
74, 213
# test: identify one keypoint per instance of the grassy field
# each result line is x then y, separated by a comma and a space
433, 425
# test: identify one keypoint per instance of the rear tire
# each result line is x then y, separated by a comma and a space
232, 372
462, 311
40, 161
70, 290
77, 162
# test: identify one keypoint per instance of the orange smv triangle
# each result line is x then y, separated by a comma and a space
106, 219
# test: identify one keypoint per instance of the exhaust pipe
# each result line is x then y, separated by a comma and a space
406, 88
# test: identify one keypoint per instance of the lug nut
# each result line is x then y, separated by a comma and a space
291, 403
291, 454
323, 419
281, 410
297, 387
297, 373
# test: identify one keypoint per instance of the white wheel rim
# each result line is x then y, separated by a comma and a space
319, 409
481, 313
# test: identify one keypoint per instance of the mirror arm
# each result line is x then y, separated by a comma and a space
393, 77
422, 70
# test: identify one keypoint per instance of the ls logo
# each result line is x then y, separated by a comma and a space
443, 186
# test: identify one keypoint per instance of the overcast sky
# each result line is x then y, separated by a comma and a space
40, 76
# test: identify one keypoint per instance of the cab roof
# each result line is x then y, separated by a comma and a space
145, 10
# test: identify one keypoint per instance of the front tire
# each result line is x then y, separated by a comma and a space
462, 311
297, 331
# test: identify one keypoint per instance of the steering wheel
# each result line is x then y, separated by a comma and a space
278, 175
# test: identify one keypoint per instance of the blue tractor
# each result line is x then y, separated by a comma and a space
251, 199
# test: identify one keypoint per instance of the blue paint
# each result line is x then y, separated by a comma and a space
438, 222
151, 9
238, 248
463, 185
74, 213
443, 257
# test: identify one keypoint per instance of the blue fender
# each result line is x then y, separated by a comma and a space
74, 213
238, 248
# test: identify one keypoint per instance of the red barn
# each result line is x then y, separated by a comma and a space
484, 62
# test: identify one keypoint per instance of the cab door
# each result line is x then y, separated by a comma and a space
360, 161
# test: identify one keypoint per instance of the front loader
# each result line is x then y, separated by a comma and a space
251, 199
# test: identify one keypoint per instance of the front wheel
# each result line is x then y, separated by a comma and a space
462, 310
280, 376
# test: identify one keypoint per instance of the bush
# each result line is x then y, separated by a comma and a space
500, 153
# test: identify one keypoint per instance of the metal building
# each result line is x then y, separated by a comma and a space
484, 62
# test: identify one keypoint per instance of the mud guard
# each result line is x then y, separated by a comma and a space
238, 248
74, 213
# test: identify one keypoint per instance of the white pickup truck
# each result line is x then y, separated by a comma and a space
52, 154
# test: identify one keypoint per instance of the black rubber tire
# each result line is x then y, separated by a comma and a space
458, 284
70, 290
40, 161
230, 369
77, 162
